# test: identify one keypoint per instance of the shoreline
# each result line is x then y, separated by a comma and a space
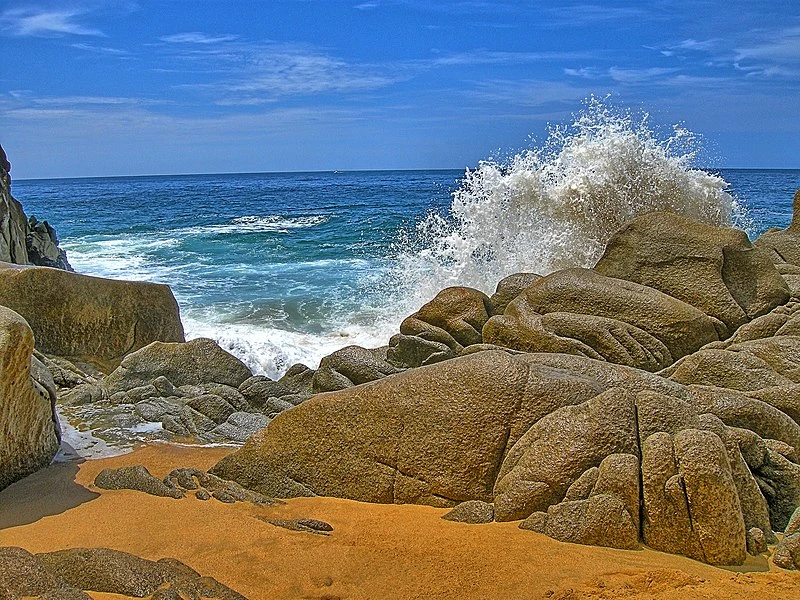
374, 551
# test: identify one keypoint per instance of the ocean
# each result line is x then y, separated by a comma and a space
282, 268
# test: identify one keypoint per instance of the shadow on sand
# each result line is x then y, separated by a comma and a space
50, 491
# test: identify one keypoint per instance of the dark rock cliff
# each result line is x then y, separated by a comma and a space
25, 241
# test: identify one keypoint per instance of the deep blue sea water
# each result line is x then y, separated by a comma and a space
287, 267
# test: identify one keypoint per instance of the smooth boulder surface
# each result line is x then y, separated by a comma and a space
441, 328
715, 269
29, 430
199, 361
89, 318
578, 311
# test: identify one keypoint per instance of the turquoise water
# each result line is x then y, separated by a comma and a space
287, 267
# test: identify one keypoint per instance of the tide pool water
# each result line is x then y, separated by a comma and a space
282, 268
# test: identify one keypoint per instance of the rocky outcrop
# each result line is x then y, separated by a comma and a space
89, 318
578, 311
22, 240
68, 574
714, 269
29, 431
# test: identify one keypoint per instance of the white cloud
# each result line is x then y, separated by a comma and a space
638, 75
101, 50
196, 37
40, 22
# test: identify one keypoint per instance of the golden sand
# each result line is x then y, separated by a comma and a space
375, 551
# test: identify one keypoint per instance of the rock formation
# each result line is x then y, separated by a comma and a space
25, 241
89, 318
700, 458
29, 431
69, 574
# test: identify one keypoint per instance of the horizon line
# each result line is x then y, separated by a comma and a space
331, 171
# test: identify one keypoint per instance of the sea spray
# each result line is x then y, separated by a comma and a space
556, 205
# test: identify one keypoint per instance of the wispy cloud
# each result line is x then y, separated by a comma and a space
43, 22
101, 50
196, 37
251, 73
632, 76
780, 47
488, 57
579, 15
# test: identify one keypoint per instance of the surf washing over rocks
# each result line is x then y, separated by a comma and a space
287, 268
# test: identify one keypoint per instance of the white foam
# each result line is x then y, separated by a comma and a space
556, 206
257, 224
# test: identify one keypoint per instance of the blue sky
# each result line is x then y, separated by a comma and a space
122, 87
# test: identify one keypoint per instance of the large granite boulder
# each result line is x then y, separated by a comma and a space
29, 431
716, 270
89, 318
433, 435
194, 363
578, 311
352, 365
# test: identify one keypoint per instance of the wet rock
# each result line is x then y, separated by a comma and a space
241, 426
212, 406
454, 317
578, 311
82, 394
474, 512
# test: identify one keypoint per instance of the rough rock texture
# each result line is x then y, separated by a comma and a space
29, 430
783, 245
64, 574
578, 311
135, 478
787, 553
434, 435
714, 269
509, 288
543, 464
25, 241
89, 318
474, 512
441, 328
189, 363
352, 365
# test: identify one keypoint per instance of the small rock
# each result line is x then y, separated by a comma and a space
756, 541
202, 495
305, 525
135, 478
787, 553
535, 522
475, 512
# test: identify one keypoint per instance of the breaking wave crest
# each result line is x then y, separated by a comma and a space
555, 206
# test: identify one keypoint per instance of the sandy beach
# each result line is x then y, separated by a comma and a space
374, 551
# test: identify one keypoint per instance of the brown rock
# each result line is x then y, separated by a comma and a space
509, 288
601, 520
455, 316
89, 318
559, 448
474, 512
632, 324
434, 435
352, 365
197, 362
29, 430
714, 269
